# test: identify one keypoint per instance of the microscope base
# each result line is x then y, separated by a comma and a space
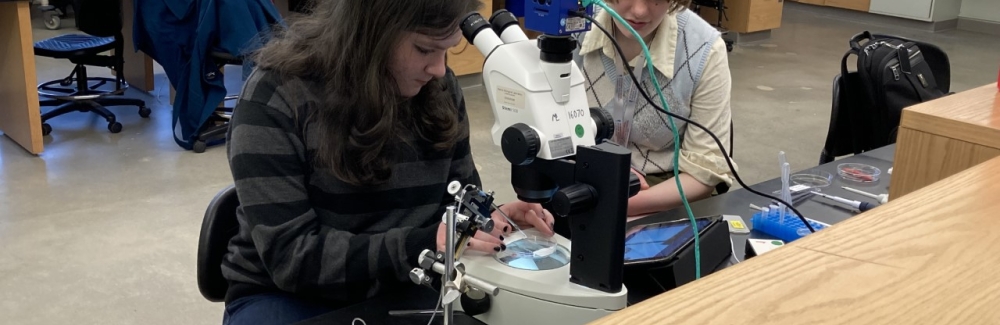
510, 308
539, 297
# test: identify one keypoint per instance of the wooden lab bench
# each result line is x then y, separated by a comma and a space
924, 258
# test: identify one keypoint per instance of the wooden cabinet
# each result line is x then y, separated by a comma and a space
942, 137
860, 5
464, 58
747, 16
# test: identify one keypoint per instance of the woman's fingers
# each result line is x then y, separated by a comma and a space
486, 243
500, 227
550, 220
642, 180
536, 220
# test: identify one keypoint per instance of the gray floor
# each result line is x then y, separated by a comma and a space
102, 228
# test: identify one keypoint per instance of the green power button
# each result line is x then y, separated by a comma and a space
579, 131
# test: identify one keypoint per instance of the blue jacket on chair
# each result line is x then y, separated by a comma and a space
180, 34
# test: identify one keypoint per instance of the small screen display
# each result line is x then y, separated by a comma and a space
660, 240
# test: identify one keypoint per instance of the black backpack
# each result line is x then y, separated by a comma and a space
892, 73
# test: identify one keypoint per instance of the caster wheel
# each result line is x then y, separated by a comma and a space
200, 146
114, 127
46, 129
52, 20
144, 111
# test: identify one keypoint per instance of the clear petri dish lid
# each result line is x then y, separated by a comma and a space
533, 254
812, 178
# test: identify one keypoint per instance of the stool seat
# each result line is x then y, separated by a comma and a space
73, 45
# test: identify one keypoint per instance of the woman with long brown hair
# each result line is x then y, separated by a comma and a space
341, 146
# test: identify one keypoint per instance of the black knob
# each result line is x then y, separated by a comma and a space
472, 25
573, 199
473, 306
502, 19
633, 184
556, 49
605, 124
520, 144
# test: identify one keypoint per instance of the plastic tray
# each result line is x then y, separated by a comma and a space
770, 223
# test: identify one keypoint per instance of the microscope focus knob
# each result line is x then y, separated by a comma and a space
475, 302
419, 277
573, 199
605, 124
520, 144
634, 185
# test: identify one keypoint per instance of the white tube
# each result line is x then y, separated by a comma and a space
513, 34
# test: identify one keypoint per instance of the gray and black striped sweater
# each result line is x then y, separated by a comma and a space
304, 231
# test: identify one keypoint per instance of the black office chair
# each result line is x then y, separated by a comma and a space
217, 125
101, 20
852, 128
218, 227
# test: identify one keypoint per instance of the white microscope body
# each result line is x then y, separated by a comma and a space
541, 98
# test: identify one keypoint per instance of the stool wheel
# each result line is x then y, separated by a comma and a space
199, 146
46, 129
52, 20
114, 127
144, 111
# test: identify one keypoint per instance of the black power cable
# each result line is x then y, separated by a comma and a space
714, 137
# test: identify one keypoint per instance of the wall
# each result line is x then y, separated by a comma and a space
988, 10
945, 10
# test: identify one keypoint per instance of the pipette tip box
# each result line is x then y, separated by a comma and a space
769, 222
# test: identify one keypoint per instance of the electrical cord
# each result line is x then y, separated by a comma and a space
437, 306
718, 142
673, 129
733, 246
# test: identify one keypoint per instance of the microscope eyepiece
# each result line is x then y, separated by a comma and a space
506, 25
478, 32
472, 25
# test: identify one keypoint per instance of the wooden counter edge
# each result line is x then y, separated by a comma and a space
947, 116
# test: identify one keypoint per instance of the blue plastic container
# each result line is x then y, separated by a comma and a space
770, 223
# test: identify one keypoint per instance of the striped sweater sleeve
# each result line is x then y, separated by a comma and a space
268, 162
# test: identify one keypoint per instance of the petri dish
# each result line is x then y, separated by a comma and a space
860, 173
534, 254
812, 178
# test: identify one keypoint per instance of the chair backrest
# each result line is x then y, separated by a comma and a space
218, 227
849, 126
100, 17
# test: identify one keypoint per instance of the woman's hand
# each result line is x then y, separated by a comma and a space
643, 185
525, 215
